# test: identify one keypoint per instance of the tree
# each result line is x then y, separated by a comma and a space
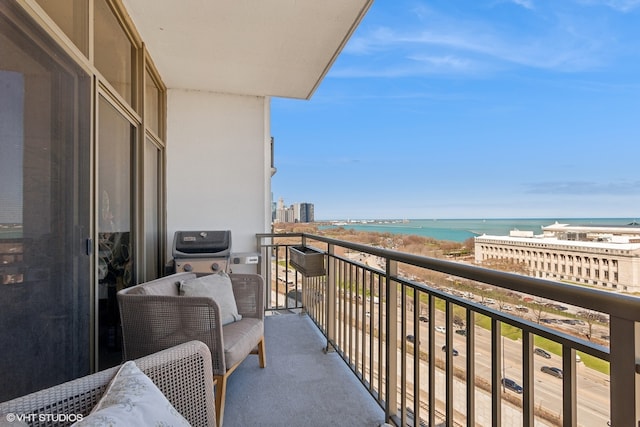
590, 317
537, 310
508, 265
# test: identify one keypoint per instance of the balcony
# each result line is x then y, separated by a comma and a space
301, 385
398, 350
365, 310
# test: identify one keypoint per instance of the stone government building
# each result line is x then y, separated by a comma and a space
603, 256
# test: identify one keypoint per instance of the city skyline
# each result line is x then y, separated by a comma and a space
296, 212
487, 109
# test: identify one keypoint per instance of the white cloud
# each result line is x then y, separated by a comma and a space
561, 37
470, 48
527, 4
585, 188
413, 65
620, 5
377, 40
446, 61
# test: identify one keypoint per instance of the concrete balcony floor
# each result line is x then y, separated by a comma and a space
300, 386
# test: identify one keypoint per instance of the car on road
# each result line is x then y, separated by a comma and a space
541, 352
424, 319
556, 372
441, 329
454, 351
462, 332
411, 339
512, 385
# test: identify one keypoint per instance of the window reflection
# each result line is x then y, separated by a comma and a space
152, 104
152, 169
44, 210
113, 51
115, 264
72, 17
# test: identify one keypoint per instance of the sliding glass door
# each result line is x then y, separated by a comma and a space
45, 285
116, 141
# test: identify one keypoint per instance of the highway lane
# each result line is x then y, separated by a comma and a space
593, 389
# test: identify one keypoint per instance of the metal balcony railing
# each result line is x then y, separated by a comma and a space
412, 330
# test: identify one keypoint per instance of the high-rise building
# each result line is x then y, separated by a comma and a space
303, 212
602, 256
298, 212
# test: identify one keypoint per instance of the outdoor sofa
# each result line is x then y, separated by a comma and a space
182, 374
161, 313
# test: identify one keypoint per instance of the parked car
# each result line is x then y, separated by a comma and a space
512, 385
441, 329
411, 339
541, 352
454, 351
556, 372
462, 332
424, 319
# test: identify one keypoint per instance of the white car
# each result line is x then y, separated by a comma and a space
441, 329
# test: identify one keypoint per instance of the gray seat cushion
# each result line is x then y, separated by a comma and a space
240, 338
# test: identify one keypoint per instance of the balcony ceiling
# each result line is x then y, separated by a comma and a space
279, 48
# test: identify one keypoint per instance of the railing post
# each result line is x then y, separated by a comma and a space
331, 297
497, 366
471, 367
569, 388
528, 403
265, 265
448, 391
391, 329
625, 383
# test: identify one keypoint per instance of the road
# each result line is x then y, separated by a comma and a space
593, 387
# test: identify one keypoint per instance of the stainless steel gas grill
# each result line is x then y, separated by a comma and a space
201, 252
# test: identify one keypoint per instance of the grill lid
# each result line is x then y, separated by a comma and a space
202, 244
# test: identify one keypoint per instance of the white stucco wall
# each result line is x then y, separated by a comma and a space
218, 165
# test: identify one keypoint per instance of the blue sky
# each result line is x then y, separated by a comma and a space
472, 109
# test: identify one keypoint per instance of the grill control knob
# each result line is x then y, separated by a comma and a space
215, 266
187, 267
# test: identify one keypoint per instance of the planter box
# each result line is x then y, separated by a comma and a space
308, 261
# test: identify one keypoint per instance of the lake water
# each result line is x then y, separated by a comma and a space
459, 230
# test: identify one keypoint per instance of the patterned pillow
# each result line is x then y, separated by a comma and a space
217, 287
132, 399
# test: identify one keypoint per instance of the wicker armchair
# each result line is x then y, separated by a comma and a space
183, 374
154, 316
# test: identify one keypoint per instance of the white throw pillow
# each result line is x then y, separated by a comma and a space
217, 287
132, 399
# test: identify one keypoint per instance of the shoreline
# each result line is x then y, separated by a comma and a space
459, 230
